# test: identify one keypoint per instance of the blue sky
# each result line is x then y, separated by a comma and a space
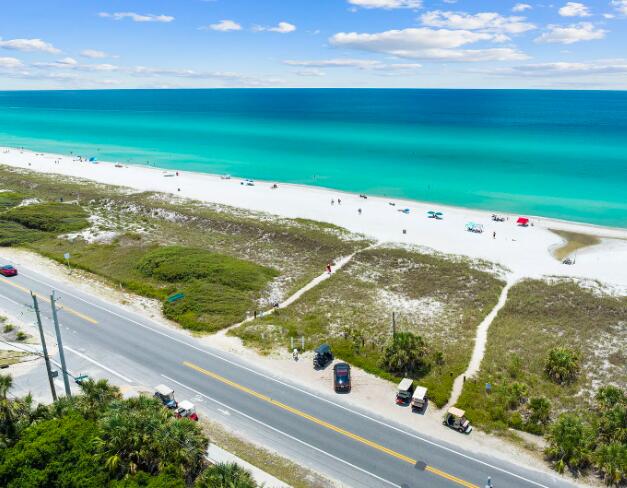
69, 44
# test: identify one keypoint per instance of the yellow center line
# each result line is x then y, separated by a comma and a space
47, 300
327, 425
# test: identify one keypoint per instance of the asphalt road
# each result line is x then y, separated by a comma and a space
355, 447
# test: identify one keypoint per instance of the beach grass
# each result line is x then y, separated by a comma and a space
439, 298
538, 316
7, 358
250, 260
573, 241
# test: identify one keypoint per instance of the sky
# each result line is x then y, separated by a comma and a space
98, 44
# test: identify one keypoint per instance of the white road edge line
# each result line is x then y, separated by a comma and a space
100, 365
282, 433
415, 436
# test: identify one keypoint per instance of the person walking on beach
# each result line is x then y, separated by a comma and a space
329, 267
339, 202
359, 211
332, 202
494, 235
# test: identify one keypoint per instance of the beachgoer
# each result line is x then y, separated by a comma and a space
178, 189
255, 314
493, 235
404, 231
359, 211
329, 267
489, 483
332, 202
177, 173
295, 354
339, 202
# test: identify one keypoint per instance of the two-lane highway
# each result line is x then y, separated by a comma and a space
353, 446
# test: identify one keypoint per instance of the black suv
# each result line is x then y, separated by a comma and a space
322, 356
342, 378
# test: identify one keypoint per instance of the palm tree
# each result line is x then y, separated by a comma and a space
611, 460
405, 354
569, 443
97, 395
562, 365
226, 475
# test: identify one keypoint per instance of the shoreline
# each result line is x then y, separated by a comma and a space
524, 251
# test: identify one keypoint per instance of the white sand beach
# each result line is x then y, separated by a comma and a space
525, 251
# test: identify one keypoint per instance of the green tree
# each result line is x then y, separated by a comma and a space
15, 414
53, 453
516, 393
96, 397
611, 461
569, 443
562, 365
138, 434
540, 409
405, 354
225, 475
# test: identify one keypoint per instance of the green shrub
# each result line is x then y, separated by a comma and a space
21, 336
178, 263
14, 234
569, 443
10, 199
8, 328
405, 354
562, 365
49, 217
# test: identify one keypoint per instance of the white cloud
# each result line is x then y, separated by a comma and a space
557, 69
335, 63
574, 9
310, 72
93, 54
387, 4
425, 43
487, 21
521, 7
583, 31
620, 6
609, 16
29, 45
225, 26
281, 28
10, 63
137, 17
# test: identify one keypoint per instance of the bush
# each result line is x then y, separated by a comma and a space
405, 354
569, 443
8, 328
178, 263
562, 365
21, 336
611, 461
225, 475
49, 217
14, 234
10, 199
540, 409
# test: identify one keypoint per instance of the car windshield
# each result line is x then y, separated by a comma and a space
8, 266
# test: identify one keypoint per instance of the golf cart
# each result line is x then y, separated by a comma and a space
405, 391
419, 399
455, 419
322, 356
166, 395
186, 410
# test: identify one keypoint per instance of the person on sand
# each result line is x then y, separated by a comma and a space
494, 235
339, 202
332, 202
177, 173
359, 211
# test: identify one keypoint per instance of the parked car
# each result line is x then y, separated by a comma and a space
405, 391
186, 410
322, 356
342, 378
8, 270
456, 419
419, 399
166, 395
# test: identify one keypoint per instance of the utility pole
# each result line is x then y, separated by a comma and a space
66, 380
43, 347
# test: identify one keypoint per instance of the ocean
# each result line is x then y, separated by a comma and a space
560, 154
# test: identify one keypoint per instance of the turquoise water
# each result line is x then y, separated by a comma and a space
559, 154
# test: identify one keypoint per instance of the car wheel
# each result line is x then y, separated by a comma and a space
460, 429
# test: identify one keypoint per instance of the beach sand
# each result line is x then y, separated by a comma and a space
524, 251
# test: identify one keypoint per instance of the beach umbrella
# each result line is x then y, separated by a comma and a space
522, 221
92, 159
431, 213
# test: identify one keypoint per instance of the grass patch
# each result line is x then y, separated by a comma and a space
7, 358
14, 234
574, 242
537, 317
49, 217
279, 467
441, 299
10, 199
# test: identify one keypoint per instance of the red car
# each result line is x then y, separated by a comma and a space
8, 270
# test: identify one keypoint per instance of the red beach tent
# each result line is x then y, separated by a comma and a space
522, 221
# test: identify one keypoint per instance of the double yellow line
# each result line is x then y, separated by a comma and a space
47, 300
327, 425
